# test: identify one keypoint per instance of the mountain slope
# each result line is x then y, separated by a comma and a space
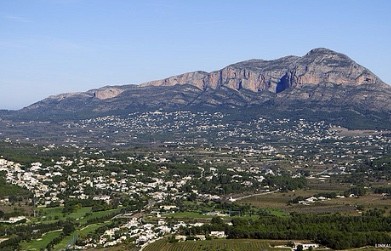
321, 80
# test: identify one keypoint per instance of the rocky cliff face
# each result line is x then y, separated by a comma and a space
319, 66
253, 75
325, 66
107, 92
321, 79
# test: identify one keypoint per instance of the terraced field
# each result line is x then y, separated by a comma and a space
216, 245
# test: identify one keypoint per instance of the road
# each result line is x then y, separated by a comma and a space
252, 195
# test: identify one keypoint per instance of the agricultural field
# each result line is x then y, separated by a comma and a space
341, 205
216, 245
349, 206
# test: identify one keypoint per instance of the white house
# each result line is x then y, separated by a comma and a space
218, 234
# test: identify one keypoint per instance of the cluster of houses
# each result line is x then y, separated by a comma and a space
146, 233
247, 151
49, 183
301, 140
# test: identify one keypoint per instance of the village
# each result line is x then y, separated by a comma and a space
192, 157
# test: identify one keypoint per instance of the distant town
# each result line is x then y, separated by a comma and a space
140, 179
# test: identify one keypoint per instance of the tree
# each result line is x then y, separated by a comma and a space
192, 197
13, 199
217, 220
68, 228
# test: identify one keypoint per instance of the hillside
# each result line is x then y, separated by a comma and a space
321, 81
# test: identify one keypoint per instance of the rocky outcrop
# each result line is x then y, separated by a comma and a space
326, 66
198, 79
108, 92
316, 67
321, 79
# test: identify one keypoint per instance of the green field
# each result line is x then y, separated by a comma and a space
55, 213
215, 245
64, 242
99, 214
42, 242
80, 213
51, 212
76, 234
89, 229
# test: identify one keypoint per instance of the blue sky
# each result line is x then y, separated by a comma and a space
53, 46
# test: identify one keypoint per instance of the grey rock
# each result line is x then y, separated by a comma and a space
320, 80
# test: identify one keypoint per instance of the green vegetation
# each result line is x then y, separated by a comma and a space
15, 192
188, 215
334, 231
215, 245
57, 229
72, 237
285, 182
80, 213
25, 154
42, 242
99, 216
83, 232
68, 239
51, 213
255, 181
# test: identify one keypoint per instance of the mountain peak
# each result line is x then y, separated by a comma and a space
323, 65
320, 65
322, 50
320, 78
325, 56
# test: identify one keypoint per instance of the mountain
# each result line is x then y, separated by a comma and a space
320, 81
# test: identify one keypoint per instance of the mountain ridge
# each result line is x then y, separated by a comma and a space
322, 79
